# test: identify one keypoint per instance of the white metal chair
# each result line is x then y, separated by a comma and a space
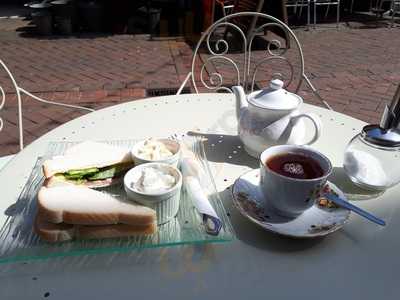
273, 59
328, 4
379, 8
395, 9
351, 5
373, 5
298, 5
226, 6
19, 90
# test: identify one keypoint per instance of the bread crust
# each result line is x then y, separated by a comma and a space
53, 232
80, 157
127, 213
50, 170
65, 232
113, 231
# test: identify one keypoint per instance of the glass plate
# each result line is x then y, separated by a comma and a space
18, 242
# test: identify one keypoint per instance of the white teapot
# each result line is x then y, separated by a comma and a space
271, 117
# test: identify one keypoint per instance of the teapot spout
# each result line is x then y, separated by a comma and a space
241, 100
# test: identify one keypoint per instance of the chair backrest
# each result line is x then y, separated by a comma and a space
245, 5
18, 91
227, 6
234, 55
2, 102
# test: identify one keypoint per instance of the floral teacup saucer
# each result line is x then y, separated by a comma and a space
322, 218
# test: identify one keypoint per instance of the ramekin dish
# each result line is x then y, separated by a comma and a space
171, 145
165, 203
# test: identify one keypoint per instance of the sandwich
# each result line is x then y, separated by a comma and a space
69, 212
89, 164
83, 206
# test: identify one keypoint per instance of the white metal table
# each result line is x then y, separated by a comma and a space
358, 262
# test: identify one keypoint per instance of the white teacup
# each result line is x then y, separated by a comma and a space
287, 195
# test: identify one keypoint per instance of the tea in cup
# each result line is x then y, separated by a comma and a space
292, 177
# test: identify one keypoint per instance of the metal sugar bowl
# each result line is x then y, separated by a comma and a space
372, 157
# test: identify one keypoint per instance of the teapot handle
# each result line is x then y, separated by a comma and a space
316, 122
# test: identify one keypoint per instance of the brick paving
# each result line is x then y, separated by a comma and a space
356, 70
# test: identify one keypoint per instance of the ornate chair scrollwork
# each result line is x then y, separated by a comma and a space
229, 53
18, 91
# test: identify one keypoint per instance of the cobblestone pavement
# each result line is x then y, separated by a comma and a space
356, 69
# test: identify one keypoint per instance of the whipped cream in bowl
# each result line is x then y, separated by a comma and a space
154, 179
156, 185
156, 150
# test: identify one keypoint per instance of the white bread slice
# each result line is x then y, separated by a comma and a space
86, 155
64, 232
54, 232
112, 231
84, 206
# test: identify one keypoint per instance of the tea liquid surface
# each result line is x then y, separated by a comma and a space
295, 165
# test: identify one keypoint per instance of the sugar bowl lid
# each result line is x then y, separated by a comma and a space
275, 97
378, 136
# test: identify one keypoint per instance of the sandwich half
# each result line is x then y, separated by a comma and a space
89, 164
83, 206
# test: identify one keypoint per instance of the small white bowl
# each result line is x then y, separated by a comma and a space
165, 203
172, 146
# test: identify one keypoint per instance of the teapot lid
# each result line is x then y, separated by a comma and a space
275, 97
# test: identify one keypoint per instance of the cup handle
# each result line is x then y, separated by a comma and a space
316, 122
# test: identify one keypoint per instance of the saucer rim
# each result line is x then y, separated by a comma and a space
270, 228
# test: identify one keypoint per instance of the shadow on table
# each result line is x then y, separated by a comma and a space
226, 148
21, 214
257, 237
352, 191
